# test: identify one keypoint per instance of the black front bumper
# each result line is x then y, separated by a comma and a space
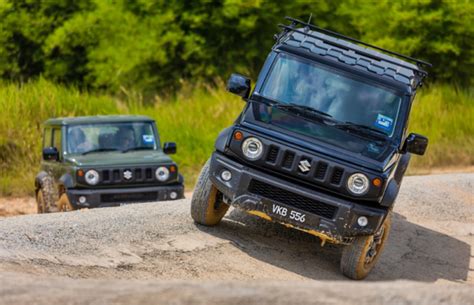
329, 217
117, 196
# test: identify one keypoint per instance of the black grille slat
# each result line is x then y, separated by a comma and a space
105, 175
291, 199
138, 174
272, 154
288, 159
116, 175
321, 169
337, 175
148, 173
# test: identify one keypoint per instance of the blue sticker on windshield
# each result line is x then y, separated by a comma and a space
148, 139
384, 122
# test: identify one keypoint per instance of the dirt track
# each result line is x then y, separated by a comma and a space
91, 256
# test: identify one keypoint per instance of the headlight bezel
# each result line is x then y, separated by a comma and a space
246, 148
358, 190
166, 173
95, 177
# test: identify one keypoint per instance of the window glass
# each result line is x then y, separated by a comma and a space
111, 136
346, 99
47, 137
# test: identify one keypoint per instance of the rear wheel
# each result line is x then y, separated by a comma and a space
207, 206
359, 258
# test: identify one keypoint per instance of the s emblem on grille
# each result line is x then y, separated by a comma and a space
304, 166
127, 175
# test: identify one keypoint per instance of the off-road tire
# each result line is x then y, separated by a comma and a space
353, 260
46, 196
207, 207
63, 203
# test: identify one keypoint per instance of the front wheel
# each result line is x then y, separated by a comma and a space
360, 257
207, 206
46, 196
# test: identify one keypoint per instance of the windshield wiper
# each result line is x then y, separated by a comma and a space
302, 108
137, 148
99, 150
363, 130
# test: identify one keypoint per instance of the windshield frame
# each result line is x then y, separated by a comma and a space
404, 92
157, 145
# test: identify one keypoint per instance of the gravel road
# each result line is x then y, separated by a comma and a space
154, 253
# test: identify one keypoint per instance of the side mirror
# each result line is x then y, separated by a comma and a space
169, 148
50, 154
239, 84
415, 144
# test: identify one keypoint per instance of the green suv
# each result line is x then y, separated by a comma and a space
101, 161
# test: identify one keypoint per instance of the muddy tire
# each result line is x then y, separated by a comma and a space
359, 258
63, 204
46, 196
207, 207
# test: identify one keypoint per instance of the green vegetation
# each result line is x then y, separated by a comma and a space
152, 45
193, 118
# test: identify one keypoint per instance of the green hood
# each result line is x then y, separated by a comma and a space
114, 158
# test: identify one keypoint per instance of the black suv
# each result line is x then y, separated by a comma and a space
322, 144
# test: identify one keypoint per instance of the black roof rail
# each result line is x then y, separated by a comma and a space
295, 22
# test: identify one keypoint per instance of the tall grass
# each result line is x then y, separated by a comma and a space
193, 118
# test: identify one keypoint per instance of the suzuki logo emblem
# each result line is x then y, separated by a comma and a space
127, 175
304, 166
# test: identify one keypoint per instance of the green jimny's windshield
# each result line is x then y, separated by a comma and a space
293, 80
89, 138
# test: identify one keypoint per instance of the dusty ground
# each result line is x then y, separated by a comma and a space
154, 253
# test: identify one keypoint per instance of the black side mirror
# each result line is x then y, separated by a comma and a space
239, 84
415, 144
50, 154
169, 148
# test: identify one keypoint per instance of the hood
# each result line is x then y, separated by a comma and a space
117, 158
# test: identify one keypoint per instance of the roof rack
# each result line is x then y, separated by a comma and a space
295, 22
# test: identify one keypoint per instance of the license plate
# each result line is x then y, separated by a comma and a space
287, 213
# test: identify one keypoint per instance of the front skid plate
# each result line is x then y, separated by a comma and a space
281, 213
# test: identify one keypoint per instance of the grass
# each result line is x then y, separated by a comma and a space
193, 118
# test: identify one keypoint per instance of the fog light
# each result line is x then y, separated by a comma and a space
362, 221
226, 175
173, 195
82, 199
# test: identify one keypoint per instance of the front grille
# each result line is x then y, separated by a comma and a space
129, 197
337, 175
288, 159
291, 199
272, 154
116, 176
321, 169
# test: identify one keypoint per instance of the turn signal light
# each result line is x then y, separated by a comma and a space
80, 173
172, 168
377, 182
238, 136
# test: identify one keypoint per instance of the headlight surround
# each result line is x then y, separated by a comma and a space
358, 184
162, 173
92, 177
252, 148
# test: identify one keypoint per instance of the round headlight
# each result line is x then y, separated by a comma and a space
162, 173
252, 148
358, 184
92, 177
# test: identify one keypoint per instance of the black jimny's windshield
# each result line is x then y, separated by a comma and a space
293, 80
347, 99
88, 138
